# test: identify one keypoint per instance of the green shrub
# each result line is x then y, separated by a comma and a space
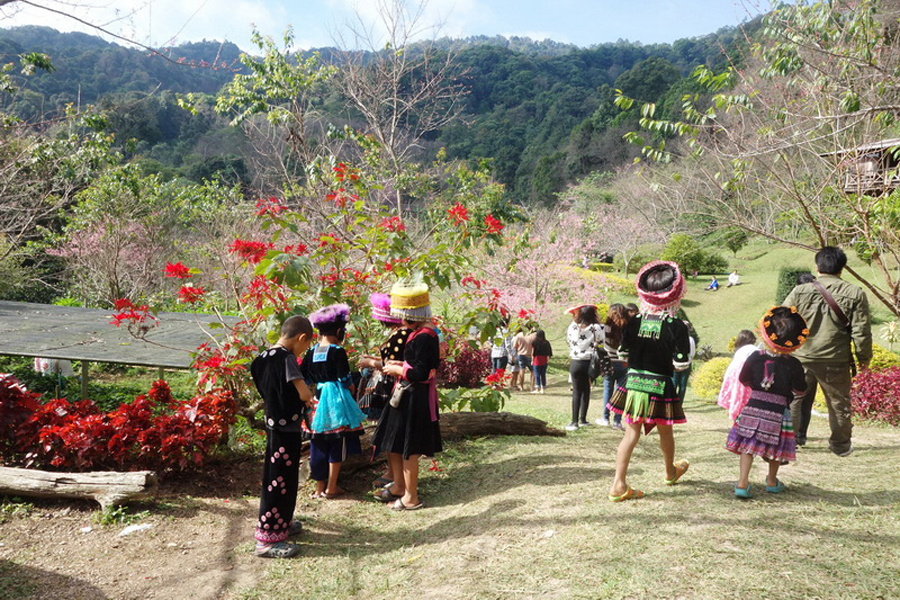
707, 380
712, 263
602, 267
787, 280
882, 358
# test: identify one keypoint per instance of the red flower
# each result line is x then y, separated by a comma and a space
177, 270
493, 225
328, 239
269, 206
298, 250
393, 224
190, 295
525, 313
340, 197
459, 214
468, 279
252, 252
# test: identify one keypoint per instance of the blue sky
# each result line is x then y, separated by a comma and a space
581, 22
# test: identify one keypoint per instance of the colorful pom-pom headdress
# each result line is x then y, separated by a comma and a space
793, 334
330, 319
664, 300
381, 309
410, 302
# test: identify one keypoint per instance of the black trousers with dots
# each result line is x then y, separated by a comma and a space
281, 477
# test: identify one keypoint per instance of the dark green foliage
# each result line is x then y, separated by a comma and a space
787, 280
542, 111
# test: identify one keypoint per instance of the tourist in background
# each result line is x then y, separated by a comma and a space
583, 336
617, 318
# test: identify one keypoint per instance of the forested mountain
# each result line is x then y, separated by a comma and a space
542, 112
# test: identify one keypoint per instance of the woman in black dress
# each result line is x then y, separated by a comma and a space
411, 429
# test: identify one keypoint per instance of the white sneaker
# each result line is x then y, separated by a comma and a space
542, 390
535, 391
602, 421
571, 427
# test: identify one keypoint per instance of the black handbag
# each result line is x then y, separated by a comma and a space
601, 364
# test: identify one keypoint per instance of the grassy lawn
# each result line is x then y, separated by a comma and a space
522, 517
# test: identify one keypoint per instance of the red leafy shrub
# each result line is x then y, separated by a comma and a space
876, 395
155, 431
467, 368
16, 405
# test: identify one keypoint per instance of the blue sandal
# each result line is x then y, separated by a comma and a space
743, 493
777, 488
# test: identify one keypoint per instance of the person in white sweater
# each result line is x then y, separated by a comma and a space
584, 335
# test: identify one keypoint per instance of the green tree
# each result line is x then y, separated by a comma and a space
768, 145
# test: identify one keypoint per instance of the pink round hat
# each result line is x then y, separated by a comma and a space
381, 308
661, 300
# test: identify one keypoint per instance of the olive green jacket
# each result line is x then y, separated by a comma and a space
829, 341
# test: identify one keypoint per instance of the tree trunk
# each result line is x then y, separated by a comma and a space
109, 488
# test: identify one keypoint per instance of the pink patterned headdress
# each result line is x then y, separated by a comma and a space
667, 300
381, 308
330, 318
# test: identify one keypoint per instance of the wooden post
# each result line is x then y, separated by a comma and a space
84, 380
162, 375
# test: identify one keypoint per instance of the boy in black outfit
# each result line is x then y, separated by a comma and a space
279, 381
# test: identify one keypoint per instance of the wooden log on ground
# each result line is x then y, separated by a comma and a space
109, 488
456, 425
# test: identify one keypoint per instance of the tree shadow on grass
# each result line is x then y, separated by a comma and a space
362, 540
797, 492
23, 582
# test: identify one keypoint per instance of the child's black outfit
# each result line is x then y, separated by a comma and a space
274, 372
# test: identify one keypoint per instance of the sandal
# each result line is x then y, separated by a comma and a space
398, 505
681, 468
333, 495
385, 495
381, 482
777, 488
743, 493
630, 494
277, 550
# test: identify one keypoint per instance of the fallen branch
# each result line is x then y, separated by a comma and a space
109, 488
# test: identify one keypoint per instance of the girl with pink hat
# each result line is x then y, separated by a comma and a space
655, 344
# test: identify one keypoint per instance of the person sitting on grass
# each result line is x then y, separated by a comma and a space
713, 285
654, 344
280, 383
763, 427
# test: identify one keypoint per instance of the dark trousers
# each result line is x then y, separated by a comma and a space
281, 477
680, 380
326, 450
581, 389
835, 380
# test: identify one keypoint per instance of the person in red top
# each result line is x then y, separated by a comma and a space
540, 357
